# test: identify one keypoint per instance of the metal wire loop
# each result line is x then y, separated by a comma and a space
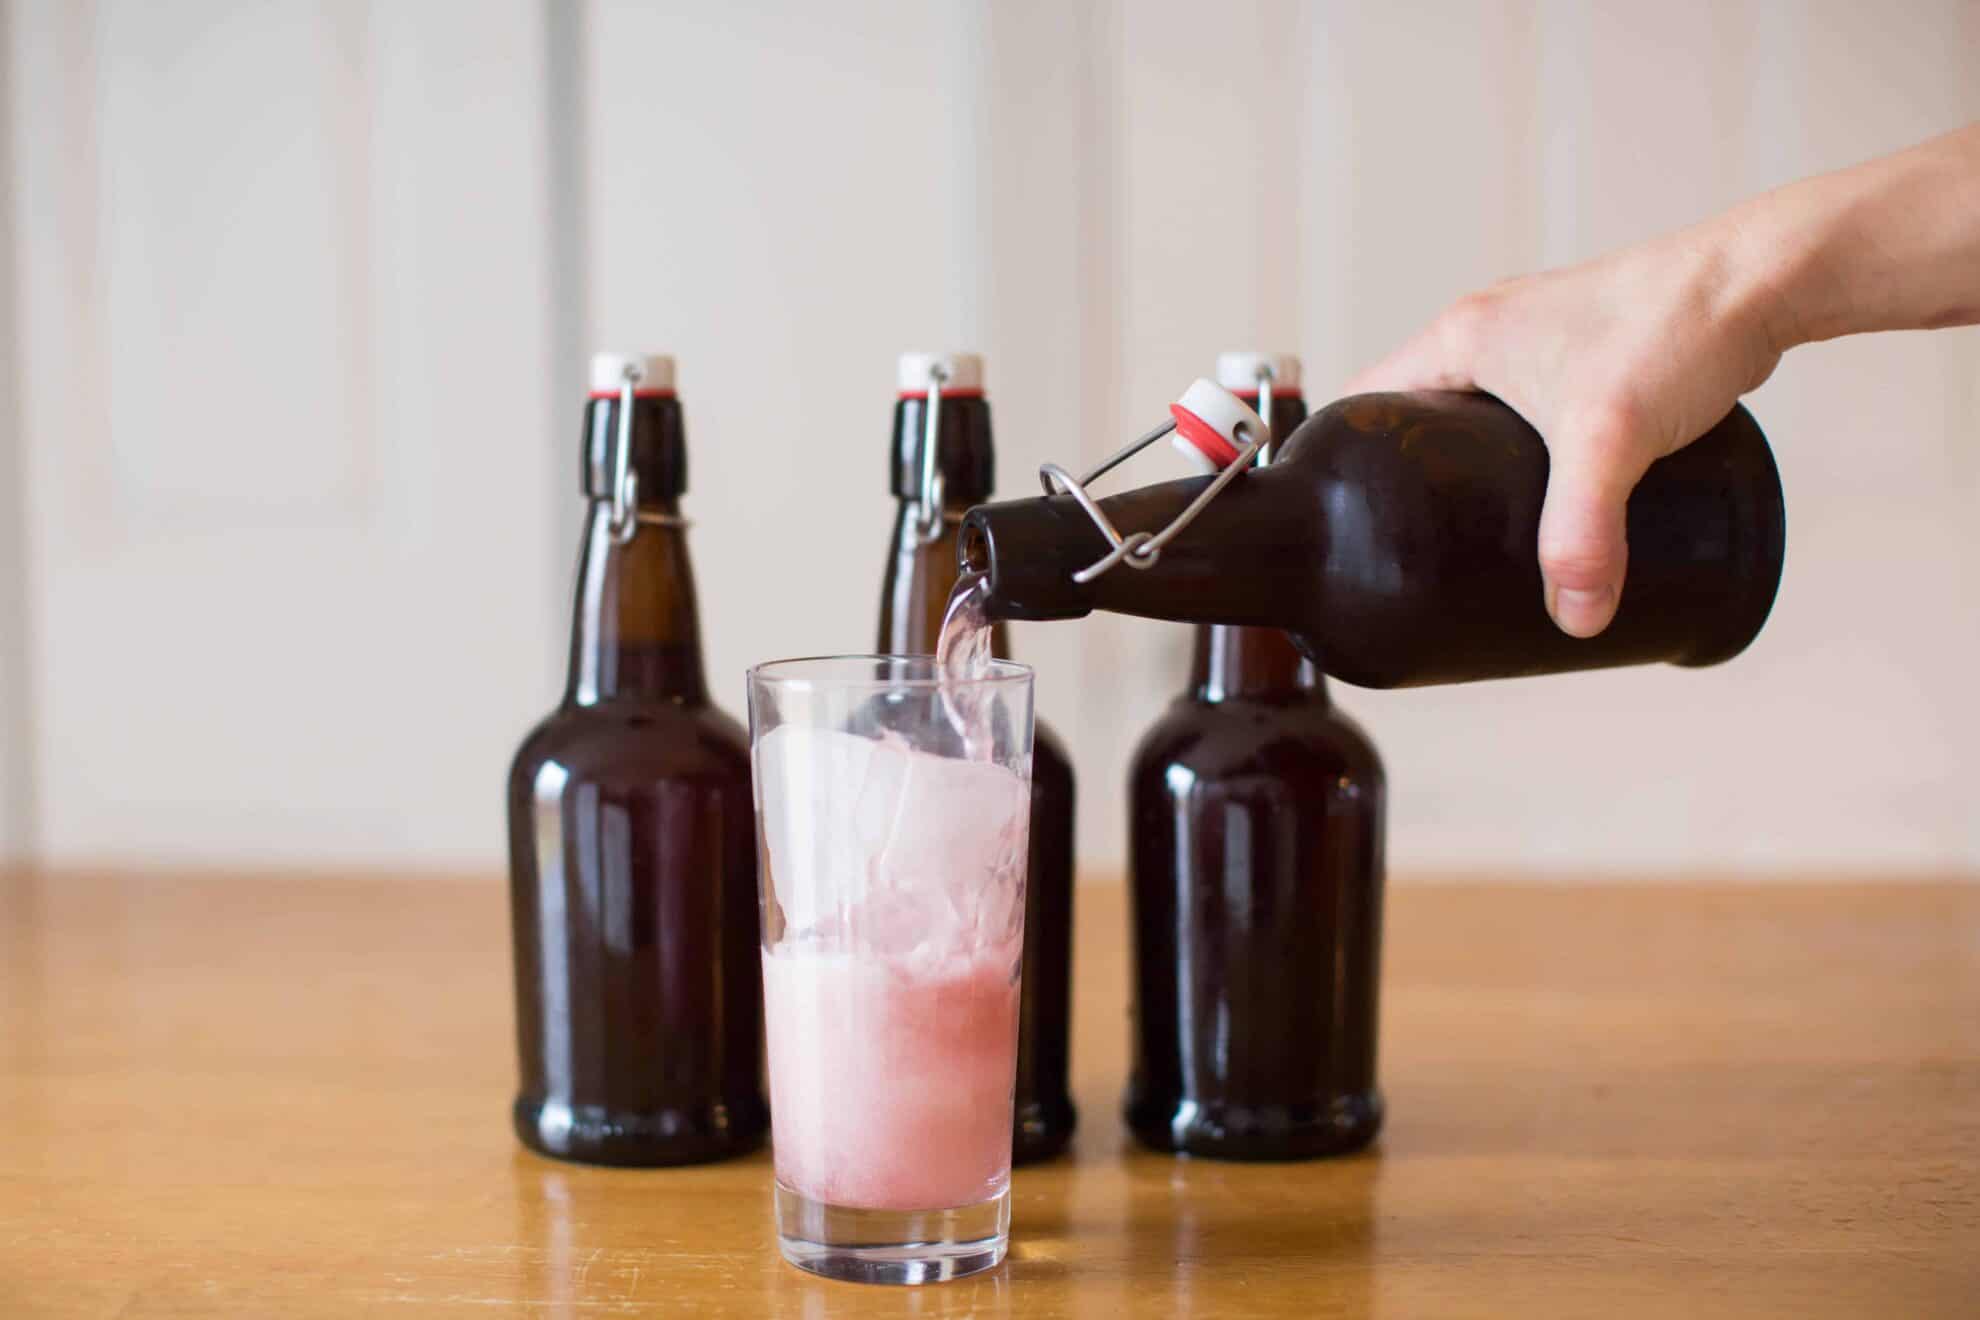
928, 520
1141, 549
625, 482
1265, 378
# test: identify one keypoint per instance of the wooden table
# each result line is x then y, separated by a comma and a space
279, 1096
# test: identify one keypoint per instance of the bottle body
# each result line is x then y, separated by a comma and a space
633, 905
921, 571
632, 847
1255, 849
1044, 1116
1255, 880
1395, 535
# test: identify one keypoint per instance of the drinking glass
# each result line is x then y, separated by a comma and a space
892, 809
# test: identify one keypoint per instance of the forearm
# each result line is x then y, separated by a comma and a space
1893, 244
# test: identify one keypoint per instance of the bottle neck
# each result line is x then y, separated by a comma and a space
921, 572
1233, 565
1250, 664
657, 461
635, 634
1249, 557
964, 457
1256, 664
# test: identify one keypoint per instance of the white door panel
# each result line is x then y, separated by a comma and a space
287, 433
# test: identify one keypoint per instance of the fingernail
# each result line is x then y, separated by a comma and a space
1581, 613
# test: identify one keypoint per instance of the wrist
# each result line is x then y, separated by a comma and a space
1892, 244
1778, 273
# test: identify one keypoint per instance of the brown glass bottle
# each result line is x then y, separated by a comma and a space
921, 570
1255, 867
1395, 537
633, 852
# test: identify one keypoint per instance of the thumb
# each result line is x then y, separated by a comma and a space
1584, 546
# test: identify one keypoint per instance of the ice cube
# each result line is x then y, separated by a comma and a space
952, 817
817, 809
950, 869
897, 849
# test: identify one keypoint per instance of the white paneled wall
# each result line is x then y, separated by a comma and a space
281, 305
16, 756
299, 290
785, 198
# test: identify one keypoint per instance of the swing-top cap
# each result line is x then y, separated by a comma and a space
608, 373
1209, 421
962, 373
1239, 372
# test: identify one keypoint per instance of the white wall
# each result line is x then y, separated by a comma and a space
283, 307
16, 759
297, 357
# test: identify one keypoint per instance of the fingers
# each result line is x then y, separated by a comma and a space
1598, 448
1584, 547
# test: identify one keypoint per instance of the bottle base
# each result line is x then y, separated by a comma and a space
593, 1134
857, 1245
1042, 1131
1257, 1132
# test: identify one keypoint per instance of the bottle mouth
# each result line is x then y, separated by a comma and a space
1028, 577
973, 549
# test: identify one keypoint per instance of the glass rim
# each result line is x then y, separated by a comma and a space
798, 673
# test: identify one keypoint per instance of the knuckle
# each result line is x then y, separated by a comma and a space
1580, 565
1611, 427
1585, 548
1465, 323
1611, 443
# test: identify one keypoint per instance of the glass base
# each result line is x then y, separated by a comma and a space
892, 1246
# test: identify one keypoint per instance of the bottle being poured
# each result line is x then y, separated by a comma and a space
1393, 535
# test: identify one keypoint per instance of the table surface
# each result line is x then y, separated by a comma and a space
283, 1096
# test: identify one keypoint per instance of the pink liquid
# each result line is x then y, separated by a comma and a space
892, 1024
892, 1081
962, 653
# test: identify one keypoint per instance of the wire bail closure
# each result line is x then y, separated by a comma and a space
1265, 376
928, 511
1142, 549
625, 481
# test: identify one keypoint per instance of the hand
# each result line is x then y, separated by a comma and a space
1616, 363
1621, 361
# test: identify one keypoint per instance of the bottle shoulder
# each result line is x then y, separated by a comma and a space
1245, 738
645, 741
